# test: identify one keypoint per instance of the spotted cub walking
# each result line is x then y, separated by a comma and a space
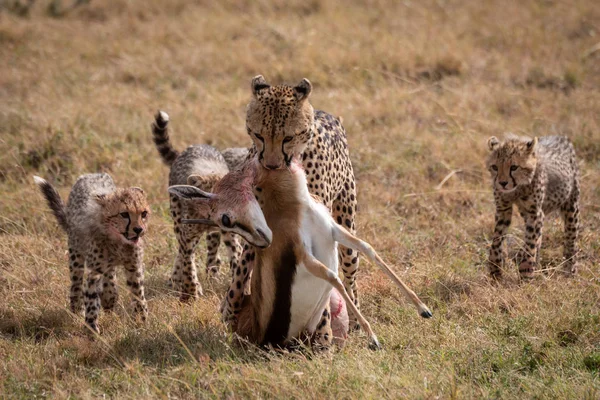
540, 177
105, 226
202, 166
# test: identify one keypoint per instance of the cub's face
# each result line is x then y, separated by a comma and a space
125, 214
512, 163
279, 121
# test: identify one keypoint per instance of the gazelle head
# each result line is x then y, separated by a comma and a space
232, 206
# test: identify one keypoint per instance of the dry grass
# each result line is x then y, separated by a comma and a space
420, 85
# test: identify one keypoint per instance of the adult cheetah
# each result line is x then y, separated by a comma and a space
282, 124
539, 176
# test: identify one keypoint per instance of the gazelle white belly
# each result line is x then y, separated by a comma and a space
309, 293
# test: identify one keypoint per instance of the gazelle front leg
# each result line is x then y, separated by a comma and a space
319, 270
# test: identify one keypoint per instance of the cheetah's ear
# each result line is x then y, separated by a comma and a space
190, 192
101, 199
302, 91
204, 182
259, 83
532, 144
493, 143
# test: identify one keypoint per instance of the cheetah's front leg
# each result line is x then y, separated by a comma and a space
570, 214
323, 336
109, 294
97, 264
134, 272
496, 256
343, 212
240, 272
533, 241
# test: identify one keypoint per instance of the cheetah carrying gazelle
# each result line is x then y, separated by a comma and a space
540, 176
105, 226
293, 277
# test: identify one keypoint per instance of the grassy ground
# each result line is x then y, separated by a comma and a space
421, 85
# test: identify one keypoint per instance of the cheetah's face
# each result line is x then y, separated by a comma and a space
125, 214
279, 120
512, 163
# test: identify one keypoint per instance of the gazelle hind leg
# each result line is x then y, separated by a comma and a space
319, 270
343, 236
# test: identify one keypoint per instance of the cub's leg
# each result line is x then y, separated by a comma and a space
570, 214
109, 295
213, 262
76, 272
134, 273
97, 265
496, 256
184, 277
533, 241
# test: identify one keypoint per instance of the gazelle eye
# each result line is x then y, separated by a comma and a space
226, 221
514, 167
124, 215
288, 139
144, 214
495, 168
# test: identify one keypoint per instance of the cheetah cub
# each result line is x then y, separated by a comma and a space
105, 226
202, 166
539, 176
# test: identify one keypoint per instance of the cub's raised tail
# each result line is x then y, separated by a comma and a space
54, 201
160, 135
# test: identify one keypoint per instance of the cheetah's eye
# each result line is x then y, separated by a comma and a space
495, 168
259, 137
124, 215
144, 214
288, 139
514, 167
226, 221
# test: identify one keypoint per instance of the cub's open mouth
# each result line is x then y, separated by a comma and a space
133, 239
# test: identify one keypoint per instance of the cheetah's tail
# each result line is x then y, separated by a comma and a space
54, 201
160, 135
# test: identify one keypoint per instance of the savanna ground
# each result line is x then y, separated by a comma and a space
420, 85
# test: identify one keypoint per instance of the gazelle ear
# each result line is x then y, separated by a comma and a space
259, 83
303, 89
493, 143
532, 144
190, 192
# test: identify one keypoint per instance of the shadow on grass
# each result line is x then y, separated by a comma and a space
184, 344
55, 322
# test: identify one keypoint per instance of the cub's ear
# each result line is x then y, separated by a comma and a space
532, 145
303, 89
138, 189
493, 143
259, 83
190, 192
101, 199
204, 182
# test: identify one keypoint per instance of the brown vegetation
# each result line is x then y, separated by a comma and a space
420, 85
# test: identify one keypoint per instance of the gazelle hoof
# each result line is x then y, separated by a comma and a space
426, 313
374, 343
